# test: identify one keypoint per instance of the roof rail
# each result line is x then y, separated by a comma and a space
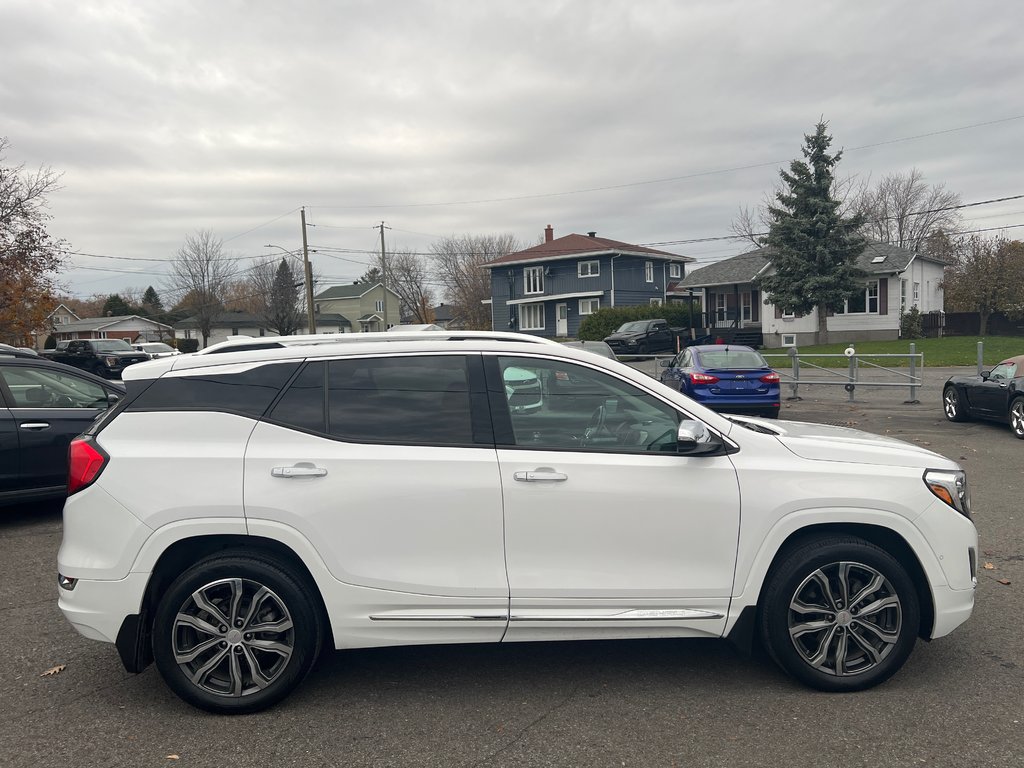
319, 339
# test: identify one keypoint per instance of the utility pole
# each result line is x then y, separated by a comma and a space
384, 273
310, 315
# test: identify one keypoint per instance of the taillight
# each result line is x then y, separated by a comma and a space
703, 378
770, 378
85, 462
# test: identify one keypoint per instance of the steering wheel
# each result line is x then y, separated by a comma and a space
597, 428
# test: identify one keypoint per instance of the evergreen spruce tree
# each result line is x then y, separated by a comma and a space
282, 311
814, 249
151, 303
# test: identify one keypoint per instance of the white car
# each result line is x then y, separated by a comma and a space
385, 493
155, 349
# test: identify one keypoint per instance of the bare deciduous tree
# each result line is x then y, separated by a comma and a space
903, 210
200, 274
986, 276
409, 277
458, 264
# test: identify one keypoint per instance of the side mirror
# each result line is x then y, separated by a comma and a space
694, 439
112, 399
985, 375
665, 363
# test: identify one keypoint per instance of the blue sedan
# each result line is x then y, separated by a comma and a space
725, 377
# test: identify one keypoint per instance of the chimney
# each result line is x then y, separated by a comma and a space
549, 234
591, 234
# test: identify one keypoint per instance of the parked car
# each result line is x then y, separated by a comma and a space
390, 493
997, 395
43, 405
643, 337
155, 349
102, 357
729, 378
597, 347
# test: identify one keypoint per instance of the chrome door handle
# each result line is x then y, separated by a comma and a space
541, 475
299, 470
35, 425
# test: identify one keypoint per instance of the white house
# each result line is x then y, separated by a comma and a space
896, 280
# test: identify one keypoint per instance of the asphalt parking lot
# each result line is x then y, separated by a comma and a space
959, 701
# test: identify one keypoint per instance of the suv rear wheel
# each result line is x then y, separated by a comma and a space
236, 633
840, 614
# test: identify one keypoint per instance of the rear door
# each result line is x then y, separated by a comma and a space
49, 409
10, 453
387, 466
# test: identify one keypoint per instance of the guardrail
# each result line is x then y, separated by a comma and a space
850, 378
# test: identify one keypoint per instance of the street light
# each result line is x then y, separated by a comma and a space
310, 317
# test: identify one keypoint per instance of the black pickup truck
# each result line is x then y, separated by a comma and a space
103, 357
644, 337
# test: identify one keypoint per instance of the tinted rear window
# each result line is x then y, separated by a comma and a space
732, 358
248, 393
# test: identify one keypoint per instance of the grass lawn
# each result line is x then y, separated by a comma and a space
952, 350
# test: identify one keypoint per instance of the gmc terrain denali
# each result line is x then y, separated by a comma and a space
382, 491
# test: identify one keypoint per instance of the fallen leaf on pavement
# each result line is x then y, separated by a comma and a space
54, 670
173, 757
989, 567
1004, 582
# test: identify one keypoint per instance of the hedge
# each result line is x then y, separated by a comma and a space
606, 321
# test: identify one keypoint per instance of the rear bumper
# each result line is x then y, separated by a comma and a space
97, 609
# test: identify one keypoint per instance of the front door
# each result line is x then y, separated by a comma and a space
561, 320
607, 528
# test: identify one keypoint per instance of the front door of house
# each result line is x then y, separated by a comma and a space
562, 320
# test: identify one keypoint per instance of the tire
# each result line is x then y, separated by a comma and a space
953, 406
641, 348
771, 413
824, 641
1017, 417
200, 642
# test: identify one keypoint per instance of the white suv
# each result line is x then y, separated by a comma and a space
385, 493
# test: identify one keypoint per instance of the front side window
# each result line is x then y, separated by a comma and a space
589, 269
531, 317
39, 388
1004, 371
558, 405
533, 280
589, 306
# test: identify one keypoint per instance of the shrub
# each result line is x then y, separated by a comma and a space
607, 320
910, 324
188, 345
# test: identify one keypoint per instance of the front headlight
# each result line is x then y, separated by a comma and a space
951, 487
111, 362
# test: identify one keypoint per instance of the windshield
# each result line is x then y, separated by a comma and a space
732, 358
112, 345
634, 327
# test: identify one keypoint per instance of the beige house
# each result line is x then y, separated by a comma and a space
54, 321
362, 304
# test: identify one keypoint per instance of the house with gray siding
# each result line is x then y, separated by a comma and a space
549, 289
895, 279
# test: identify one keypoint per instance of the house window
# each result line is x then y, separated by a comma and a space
533, 280
788, 315
588, 269
378, 306
917, 293
721, 312
655, 302
589, 306
903, 295
649, 271
789, 339
675, 270
863, 303
531, 317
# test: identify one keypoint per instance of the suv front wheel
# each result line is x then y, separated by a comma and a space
839, 614
236, 633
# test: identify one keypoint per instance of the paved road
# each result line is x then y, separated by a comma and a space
958, 702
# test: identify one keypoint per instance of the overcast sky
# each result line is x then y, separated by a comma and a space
643, 120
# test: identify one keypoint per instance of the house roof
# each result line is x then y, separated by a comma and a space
66, 309
249, 320
350, 291
100, 323
575, 246
875, 259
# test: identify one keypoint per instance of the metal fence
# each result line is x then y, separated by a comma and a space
803, 370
